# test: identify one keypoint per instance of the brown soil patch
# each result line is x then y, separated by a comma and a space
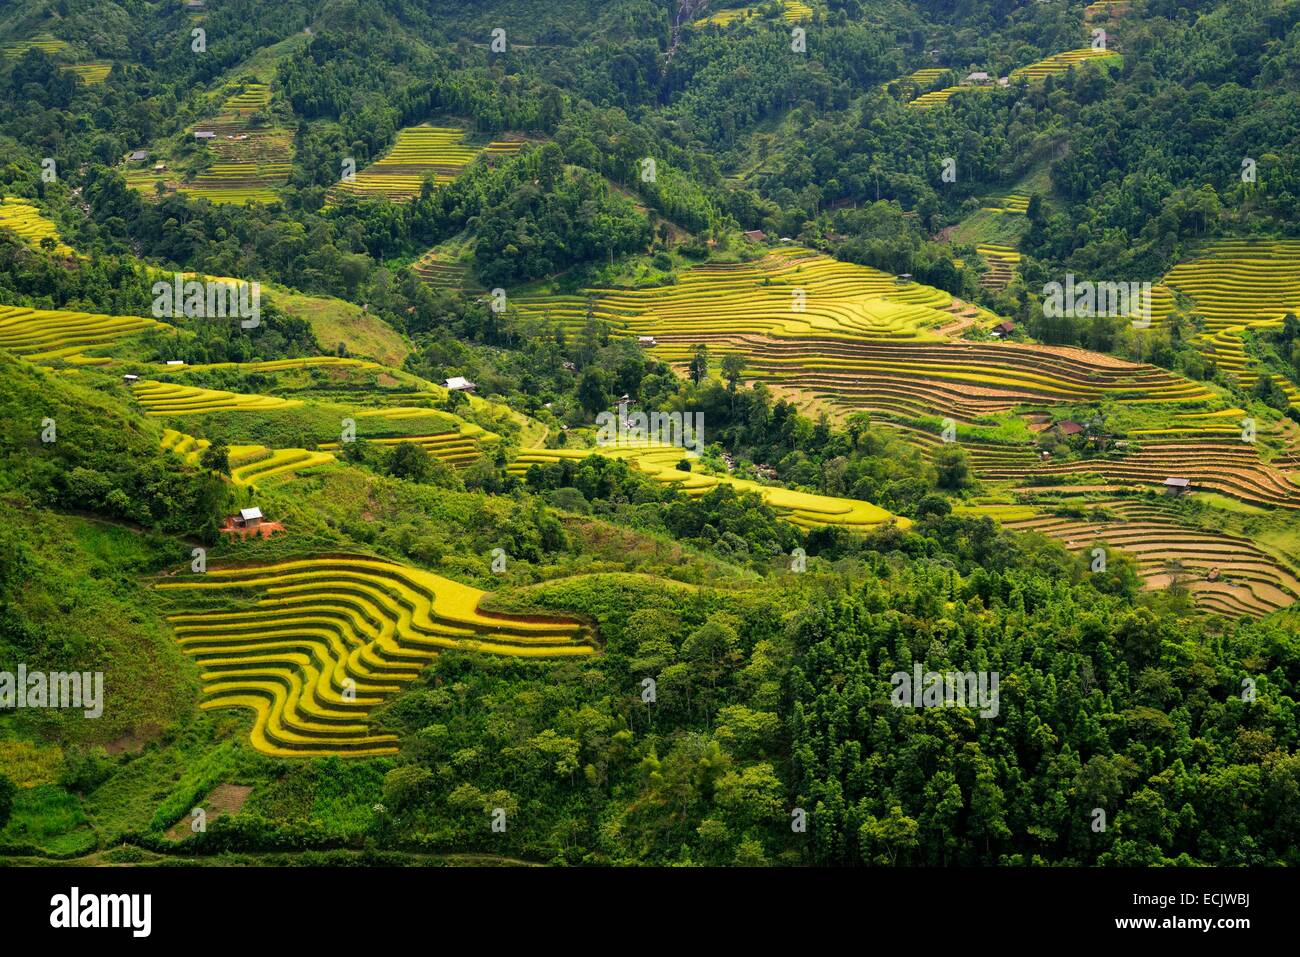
224, 799
265, 530
134, 740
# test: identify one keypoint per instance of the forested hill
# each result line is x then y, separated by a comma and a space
815, 242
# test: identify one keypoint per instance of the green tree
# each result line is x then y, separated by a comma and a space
216, 458
699, 367
733, 365
410, 461
406, 786
952, 470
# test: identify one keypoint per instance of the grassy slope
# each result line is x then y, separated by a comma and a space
336, 320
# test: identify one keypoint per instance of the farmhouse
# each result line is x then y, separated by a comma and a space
1177, 486
204, 135
755, 235
139, 156
1004, 328
645, 340
247, 518
1068, 427
458, 383
978, 77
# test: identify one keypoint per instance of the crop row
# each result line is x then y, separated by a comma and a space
1235, 470
41, 335
1062, 62
460, 447
250, 465
1003, 262
24, 217
326, 640
792, 11
420, 152
166, 398
960, 379
1017, 203
659, 463
1237, 285
1224, 572
45, 42
442, 273
789, 293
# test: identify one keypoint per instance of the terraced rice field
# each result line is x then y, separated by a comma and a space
251, 465
420, 152
1236, 286
1060, 63
249, 162
249, 98
659, 463
1114, 8
24, 217
459, 447
788, 293
1003, 262
91, 72
166, 398
1234, 469
1016, 203
261, 467
863, 341
1225, 573
1225, 423
42, 335
939, 97
313, 646
436, 270
961, 380
926, 78
920, 82
44, 42
186, 446
284, 365
502, 149
792, 11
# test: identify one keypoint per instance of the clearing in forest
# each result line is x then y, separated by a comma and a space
24, 217
420, 153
